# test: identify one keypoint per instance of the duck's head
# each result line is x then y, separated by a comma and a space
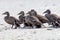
47, 11
32, 12
21, 13
6, 13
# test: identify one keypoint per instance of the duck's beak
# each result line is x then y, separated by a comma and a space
44, 12
27, 13
3, 13
18, 13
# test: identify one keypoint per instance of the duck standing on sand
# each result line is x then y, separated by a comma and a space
53, 18
22, 17
43, 19
11, 20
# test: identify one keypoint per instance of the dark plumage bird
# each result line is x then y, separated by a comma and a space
53, 18
24, 19
33, 21
43, 19
11, 20
21, 17
32, 17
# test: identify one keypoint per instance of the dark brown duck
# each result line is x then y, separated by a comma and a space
53, 18
43, 19
11, 20
34, 20
21, 17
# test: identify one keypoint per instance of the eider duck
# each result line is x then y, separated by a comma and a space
11, 20
43, 19
53, 18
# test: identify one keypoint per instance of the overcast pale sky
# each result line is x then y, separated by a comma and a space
18, 5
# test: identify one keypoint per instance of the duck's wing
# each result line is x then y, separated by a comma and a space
43, 19
15, 19
54, 16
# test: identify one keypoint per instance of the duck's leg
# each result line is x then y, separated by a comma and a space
15, 28
17, 25
12, 27
53, 23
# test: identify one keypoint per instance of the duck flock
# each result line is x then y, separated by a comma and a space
32, 19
